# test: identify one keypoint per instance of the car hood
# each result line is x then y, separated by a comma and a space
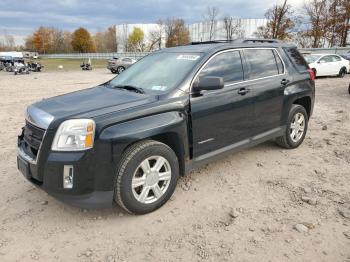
86, 103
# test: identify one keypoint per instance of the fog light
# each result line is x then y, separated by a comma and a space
68, 177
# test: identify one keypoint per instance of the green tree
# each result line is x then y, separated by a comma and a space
136, 40
82, 41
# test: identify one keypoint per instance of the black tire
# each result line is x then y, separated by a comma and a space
342, 72
120, 69
113, 71
129, 164
349, 89
286, 141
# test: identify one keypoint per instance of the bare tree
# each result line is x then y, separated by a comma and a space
210, 18
155, 37
176, 32
345, 21
233, 27
9, 41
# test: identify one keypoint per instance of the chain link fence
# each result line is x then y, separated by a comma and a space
138, 55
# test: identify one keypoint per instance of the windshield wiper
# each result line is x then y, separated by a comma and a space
130, 88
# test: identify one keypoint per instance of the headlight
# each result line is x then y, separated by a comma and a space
74, 135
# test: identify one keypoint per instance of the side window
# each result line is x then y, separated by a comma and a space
326, 59
126, 60
279, 62
261, 63
296, 58
323, 59
336, 58
227, 65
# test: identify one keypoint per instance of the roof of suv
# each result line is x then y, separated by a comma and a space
213, 46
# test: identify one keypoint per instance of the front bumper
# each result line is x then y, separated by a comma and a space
90, 189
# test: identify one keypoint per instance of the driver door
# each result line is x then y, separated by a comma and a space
324, 67
222, 117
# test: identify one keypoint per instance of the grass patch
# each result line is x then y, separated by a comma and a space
51, 64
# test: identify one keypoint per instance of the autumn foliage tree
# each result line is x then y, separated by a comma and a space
106, 41
41, 39
176, 32
49, 40
280, 22
328, 22
82, 41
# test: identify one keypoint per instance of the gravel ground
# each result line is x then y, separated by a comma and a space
262, 204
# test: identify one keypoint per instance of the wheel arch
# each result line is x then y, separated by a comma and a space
173, 140
304, 102
169, 128
344, 68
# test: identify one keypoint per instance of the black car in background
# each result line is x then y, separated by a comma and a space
128, 140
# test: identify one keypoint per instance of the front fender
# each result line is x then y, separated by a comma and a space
117, 138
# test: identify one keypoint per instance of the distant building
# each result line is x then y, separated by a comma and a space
244, 28
198, 31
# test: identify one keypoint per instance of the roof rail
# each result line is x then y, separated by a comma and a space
211, 42
239, 40
257, 40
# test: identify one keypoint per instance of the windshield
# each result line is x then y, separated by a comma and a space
311, 58
158, 71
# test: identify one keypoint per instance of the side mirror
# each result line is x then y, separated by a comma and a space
321, 61
207, 83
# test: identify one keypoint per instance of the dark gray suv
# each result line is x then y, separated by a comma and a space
128, 141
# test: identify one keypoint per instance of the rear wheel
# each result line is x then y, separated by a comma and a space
342, 72
113, 71
296, 128
146, 178
120, 69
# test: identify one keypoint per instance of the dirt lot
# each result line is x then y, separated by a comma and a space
242, 208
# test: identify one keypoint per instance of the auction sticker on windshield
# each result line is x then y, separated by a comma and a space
159, 88
188, 57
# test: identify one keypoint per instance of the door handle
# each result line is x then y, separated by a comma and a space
243, 91
284, 82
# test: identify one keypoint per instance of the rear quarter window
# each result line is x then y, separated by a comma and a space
296, 58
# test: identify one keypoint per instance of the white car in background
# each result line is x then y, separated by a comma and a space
328, 64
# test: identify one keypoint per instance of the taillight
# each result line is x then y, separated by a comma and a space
312, 74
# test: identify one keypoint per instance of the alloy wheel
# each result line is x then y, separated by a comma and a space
151, 179
297, 127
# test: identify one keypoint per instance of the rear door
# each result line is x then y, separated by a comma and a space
336, 64
267, 80
222, 117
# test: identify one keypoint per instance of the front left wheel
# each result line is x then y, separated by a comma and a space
146, 177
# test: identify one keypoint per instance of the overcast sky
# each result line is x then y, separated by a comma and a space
20, 18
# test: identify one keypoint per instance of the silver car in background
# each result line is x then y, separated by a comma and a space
118, 65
